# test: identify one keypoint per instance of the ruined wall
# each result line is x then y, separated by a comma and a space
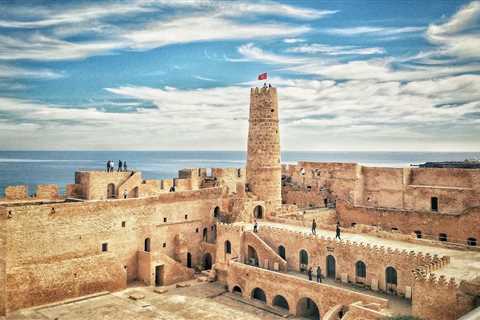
47, 191
229, 177
16, 192
68, 240
457, 227
263, 156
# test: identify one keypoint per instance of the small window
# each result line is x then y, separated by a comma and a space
164, 219
104, 247
394, 229
146, 246
309, 188
353, 224
442, 237
164, 244
196, 230
434, 204
472, 242
186, 217
228, 247
418, 233
123, 224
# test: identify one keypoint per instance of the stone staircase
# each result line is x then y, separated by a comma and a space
134, 180
274, 260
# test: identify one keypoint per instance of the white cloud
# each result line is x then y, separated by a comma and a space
373, 31
335, 50
293, 40
7, 71
204, 78
252, 53
459, 36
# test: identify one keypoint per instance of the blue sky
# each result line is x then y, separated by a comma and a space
161, 75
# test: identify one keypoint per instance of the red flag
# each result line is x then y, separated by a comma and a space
262, 76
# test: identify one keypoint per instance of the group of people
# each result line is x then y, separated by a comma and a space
319, 274
337, 229
122, 166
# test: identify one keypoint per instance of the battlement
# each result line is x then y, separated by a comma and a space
433, 281
262, 91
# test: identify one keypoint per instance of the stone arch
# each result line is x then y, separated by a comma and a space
258, 212
281, 252
472, 242
360, 271
237, 289
216, 212
303, 260
207, 261
281, 302
146, 245
111, 191
391, 279
331, 267
252, 257
135, 192
228, 247
307, 308
259, 294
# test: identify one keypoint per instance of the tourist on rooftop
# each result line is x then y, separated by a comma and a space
108, 165
319, 274
120, 165
172, 189
314, 227
125, 166
310, 272
337, 231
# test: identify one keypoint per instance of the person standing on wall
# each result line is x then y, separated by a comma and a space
337, 231
319, 274
120, 165
125, 194
125, 166
255, 226
314, 226
310, 272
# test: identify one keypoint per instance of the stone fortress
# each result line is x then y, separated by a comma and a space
409, 235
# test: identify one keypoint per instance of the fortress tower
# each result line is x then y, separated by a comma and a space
264, 172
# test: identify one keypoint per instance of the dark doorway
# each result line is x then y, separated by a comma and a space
307, 308
216, 212
281, 302
259, 294
135, 192
252, 257
331, 272
258, 212
237, 290
281, 252
472, 242
325, 202
111, 191
360, 271
434, 203
189, 260
228, 247
159, 276
146, 245
391, 280
442, 237
205, 234
207, 261
303, 260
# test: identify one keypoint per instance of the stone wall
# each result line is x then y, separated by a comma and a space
275, 283
47, 191
16, 192
51, 241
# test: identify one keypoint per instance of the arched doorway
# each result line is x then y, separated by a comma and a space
307, 308
205, 234
237, 290
259, 294
258, 212
281, 302
135, 192
252, 257
331, 272
111, 191
216, 212
391, 280
228, 247
303, 260
281, 252
207, 261
189, 260
146, 245
360, 271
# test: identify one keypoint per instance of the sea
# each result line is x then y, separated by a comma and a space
58, 167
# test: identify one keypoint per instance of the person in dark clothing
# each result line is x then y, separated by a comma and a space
337, 231
108, 166
120, 165
319, 274
314, 227
310, 272
172, 189
125, 166
255, 227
